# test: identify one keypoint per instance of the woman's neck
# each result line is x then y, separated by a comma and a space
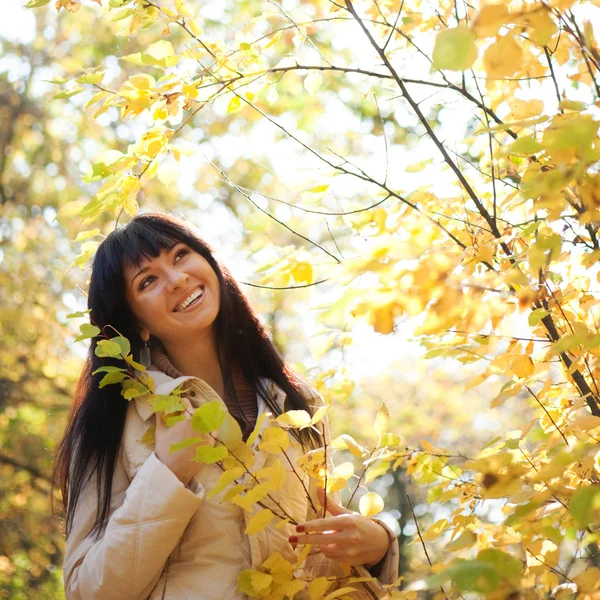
198, 358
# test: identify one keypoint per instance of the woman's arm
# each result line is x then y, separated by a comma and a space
319, 564
148, 517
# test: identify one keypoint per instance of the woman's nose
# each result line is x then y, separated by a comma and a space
177, 279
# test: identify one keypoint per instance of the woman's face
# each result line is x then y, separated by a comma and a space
159, 292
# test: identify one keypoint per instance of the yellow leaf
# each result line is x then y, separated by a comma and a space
340, 592
168, 173
294, 419
226, 478
524, 109
190, 90
303, 272
303, 555
234, 104
465, 540
346, 441
149, 437
312, 82
318, 416
541, 24
586, 422
370, 504
522, 366
489, 20
274, 40
195, 28
275, 474
256, 494
476, 380
381, 421
454, 49
435, 530
142, 81
254, 583
69, 210
259, 521
274, 440
382, 319
160, 114
252, 437
290, 589
503, 58
317, 588
183, 9
345, 470
160, 50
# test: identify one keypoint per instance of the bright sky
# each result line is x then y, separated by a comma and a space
373, 352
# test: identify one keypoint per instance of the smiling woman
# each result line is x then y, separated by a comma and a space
141, 521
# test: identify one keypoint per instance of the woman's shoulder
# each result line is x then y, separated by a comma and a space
308, 391
137, 442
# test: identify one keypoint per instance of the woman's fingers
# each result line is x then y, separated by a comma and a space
329, 537
326, 524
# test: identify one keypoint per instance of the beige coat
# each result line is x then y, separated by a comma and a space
167, 541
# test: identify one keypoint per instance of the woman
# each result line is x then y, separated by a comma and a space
141, 522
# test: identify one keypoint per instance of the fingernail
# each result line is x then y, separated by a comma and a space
300, 528
293, 539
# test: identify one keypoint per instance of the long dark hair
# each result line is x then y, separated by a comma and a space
92, 439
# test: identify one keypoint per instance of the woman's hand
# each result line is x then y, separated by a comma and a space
180, 462
346, 536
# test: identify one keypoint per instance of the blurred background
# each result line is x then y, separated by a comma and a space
46, 148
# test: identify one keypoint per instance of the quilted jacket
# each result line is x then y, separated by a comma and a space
166, 541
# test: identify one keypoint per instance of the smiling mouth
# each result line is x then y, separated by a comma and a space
194, 302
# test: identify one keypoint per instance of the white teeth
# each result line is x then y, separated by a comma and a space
189, 300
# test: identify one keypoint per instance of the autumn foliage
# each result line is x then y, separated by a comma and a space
449, 180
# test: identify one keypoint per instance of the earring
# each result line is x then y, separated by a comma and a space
145, 355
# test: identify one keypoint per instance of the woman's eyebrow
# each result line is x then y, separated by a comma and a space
147, 268
140, 272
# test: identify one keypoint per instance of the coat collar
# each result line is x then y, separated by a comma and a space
165, 384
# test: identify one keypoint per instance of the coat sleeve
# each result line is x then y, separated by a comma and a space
386, 571
148, 517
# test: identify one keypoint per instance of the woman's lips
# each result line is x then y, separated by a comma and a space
197, 301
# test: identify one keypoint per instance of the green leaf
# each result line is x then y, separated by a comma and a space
524, 145
208, 417
536, 316
84, 235
108, 348
585, 505
135, 365
468, 576
133, 393
111, 378
381, 421
87, 331
95, 77
505, 564
184, 444
165, 404
123, 344
67, 94
37, 3
81, 313
109, 369
454, 49
210, 454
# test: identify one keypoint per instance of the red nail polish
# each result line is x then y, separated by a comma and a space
300, 528
293, 539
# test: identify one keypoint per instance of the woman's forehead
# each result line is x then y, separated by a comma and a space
141, 255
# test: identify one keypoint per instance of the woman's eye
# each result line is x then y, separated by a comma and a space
142, 285
181, 252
